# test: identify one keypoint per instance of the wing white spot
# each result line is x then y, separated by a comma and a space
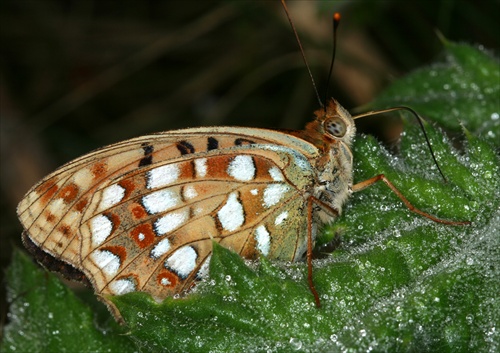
190, 192
274, 193
200, 167
231, 215
242, 168
160, 201
281, 217
100, 228
182, 261
55, 205
254, 191
170, 221
298, 158
276, 174
203, 271
160, 249
141, 236
111, 196
165, 282
122, 286
263, 240
162, 176
83, 178
106, 261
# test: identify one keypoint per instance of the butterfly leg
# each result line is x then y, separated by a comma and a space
310, 201
310, 244
364, 184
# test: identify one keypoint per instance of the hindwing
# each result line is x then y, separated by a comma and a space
142, 214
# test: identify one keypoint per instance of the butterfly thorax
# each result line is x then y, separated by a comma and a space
332, 132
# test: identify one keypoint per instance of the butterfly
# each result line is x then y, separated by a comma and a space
142, 215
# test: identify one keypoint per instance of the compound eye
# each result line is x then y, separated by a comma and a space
335, 127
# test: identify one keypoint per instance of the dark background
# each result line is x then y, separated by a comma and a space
78, 75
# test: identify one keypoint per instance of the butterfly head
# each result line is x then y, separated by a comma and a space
334, 124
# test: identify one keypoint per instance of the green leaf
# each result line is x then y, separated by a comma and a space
463, 88
46, 316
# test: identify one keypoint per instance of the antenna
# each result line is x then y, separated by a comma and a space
419, 119
302, 52
335, 24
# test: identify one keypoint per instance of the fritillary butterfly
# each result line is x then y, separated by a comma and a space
141, 215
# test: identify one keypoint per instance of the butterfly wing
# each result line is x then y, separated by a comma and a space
142, 214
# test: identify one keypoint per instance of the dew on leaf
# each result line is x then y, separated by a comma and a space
295, 343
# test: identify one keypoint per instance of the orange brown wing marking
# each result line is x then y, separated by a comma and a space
262, 167
115, 220
143, 235
137, 211
69, 193
217, 167
81, 204
252, 202
50, 217
99, 170
47, 190
167, 279
65, 230
128, 185
186, 171
45, 186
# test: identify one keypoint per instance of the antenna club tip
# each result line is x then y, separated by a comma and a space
336, 17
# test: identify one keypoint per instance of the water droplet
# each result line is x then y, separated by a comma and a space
469, 318
295, 343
